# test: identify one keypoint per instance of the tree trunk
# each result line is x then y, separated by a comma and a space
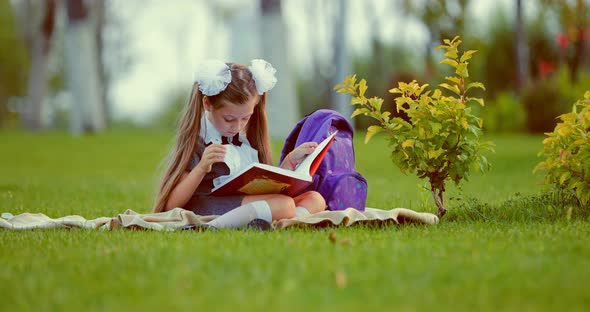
520, 49
437, 194
82, 71
341, 102
580, 41
40, 43
99, 8
37, 84
281, 106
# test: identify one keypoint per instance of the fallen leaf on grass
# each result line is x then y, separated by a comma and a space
340, 279
332, 237
345, 241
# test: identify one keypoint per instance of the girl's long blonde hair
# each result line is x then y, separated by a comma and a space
241, 88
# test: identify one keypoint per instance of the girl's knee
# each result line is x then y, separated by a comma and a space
312, 200
317, 201
282, 207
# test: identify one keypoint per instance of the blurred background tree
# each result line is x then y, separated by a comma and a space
534, 55
443, 19
14, 63
68, 72
37, 23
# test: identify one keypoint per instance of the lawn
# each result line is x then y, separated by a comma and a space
502, 246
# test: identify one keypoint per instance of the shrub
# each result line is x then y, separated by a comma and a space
441, 140
567, 152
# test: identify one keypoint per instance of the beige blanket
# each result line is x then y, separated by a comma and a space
176, 218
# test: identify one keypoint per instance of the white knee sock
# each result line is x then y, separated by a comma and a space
240, 216
301, 211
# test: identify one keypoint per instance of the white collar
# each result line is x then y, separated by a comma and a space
211, 134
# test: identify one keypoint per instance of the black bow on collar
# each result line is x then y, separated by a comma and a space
235, 140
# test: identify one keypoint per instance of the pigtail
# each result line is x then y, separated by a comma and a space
189, 128
257, 132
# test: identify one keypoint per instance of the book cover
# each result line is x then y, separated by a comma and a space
266, 179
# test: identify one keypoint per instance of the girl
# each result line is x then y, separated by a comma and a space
223, 129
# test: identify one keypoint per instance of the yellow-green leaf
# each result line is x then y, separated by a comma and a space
454, 89
450, 62
371, 131
355, 100
358, 111
476, 85
376, 103
421, 89
362, 87
564, 177
564, 130
467, 55
580, 142
408, 143
396, 91
453, 79
435, 153
478, 100
462, 70
451, 53
342, 84
464, 123
436, 95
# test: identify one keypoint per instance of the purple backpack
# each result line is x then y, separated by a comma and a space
336, 178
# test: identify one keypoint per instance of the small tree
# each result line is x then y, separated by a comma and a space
567, 152
442, 138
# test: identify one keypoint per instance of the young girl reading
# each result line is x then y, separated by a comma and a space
223, 129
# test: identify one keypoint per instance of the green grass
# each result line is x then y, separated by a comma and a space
502, 246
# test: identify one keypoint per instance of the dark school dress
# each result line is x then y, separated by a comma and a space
201, 202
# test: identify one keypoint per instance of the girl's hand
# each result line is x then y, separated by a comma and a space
298, 155
213, 153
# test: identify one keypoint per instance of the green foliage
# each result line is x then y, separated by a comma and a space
505, 114
542, 101
441, 140
546, 98
567, 152
14, 61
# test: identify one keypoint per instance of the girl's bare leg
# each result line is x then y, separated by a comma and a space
281, 206
312, 201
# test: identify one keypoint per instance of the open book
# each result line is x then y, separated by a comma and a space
266, 179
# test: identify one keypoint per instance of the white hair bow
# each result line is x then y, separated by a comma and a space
263, 74
213, 76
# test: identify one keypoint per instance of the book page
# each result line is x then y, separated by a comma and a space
302, 175
305, 165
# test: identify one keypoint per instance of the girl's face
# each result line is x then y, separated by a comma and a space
230, 119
